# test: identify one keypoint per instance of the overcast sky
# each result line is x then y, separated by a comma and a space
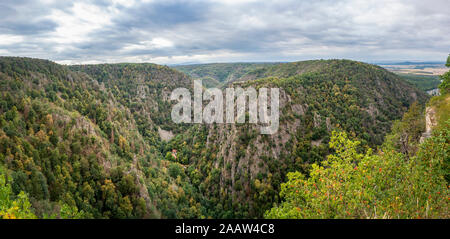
171, 32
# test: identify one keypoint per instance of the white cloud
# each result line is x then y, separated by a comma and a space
156, 43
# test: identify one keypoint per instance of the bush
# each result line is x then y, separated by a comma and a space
354, 185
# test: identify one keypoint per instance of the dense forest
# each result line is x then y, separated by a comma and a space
406, 177
242, 170
97, 141
70, 141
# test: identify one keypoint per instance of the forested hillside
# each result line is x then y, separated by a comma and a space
69, 139
407, 177
423, 82
97, 141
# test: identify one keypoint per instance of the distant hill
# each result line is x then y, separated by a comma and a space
99, 138
423, 82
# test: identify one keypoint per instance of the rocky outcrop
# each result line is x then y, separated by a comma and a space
430, 123
164, 134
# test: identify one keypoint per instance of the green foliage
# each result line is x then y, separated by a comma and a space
363, 185
12, 206
82, 141
61, 132
335, 94
423, 82
347, 92
444, 87
441, 104
220, 74
175, 170
404, 179
406, 133
68, 212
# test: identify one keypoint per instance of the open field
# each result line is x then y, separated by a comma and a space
420, 68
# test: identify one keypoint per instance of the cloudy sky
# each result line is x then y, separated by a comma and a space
172, 32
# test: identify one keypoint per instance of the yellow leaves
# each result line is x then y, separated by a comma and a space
31, 131
108, 182
49, 120
42, 136
122, 142
108, 186
11, 212
5, 215
257, 184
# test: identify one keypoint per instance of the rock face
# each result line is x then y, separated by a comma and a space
430, 122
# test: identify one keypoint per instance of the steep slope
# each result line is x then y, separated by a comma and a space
94, 136
143, 88
243, 170
66, 137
